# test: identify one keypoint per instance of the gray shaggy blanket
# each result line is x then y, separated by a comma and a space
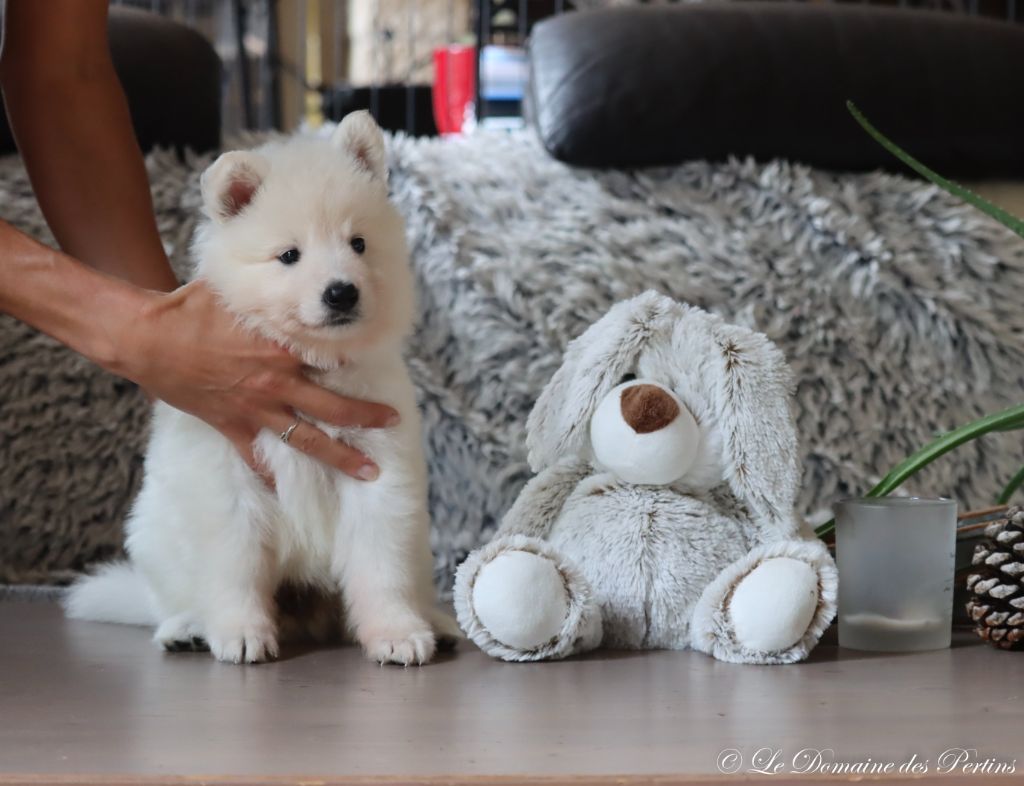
898, 307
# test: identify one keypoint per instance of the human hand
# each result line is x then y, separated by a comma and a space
187, 350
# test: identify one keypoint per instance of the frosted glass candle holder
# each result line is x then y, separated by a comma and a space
896, 558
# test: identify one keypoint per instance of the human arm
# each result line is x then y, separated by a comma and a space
71, 122
72, 125
181, 347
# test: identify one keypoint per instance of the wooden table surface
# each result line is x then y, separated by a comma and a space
82, 699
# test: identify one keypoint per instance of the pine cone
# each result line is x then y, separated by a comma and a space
996, 583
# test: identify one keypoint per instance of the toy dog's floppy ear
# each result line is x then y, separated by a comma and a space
594, 363
360, 137
750, 386
229, 184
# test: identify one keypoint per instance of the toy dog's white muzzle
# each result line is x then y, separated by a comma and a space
644, 434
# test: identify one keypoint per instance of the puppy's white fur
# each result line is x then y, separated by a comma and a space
209, 543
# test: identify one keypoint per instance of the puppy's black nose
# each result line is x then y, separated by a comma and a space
341, 296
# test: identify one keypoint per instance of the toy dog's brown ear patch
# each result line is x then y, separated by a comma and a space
647, 408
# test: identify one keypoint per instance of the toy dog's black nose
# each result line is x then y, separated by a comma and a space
341, 296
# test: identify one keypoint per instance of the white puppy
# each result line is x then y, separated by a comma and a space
302, 243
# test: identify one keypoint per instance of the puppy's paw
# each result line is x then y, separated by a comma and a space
405, 646
180, 634
446, 630
248, 642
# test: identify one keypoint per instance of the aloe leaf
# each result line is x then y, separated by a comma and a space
1008, 419
1011, 487
1006, 219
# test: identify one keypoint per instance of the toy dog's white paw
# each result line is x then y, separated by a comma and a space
773, 605
521, 599
404, 645
244, 641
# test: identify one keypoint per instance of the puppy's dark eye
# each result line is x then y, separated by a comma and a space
290, 257
627, 378
358, 244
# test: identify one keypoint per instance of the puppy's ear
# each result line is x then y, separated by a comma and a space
749, 386
559, 424
230, 183
359, 137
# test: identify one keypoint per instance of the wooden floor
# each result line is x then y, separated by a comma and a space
81, 698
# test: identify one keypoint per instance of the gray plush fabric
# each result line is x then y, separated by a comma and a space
71, 435
31, 593
898, 309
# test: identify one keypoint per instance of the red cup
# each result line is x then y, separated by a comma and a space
454, 86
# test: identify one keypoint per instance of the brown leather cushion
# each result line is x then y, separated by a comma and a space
662, 84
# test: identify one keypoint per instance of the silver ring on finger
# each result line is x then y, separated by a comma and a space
287, 433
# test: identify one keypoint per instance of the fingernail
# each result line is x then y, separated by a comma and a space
393, 420
368, 472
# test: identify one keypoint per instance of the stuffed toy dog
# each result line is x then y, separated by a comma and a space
662, 512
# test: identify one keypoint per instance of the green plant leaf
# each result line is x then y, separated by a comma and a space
1012, 486
1007, 420
1006, 219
